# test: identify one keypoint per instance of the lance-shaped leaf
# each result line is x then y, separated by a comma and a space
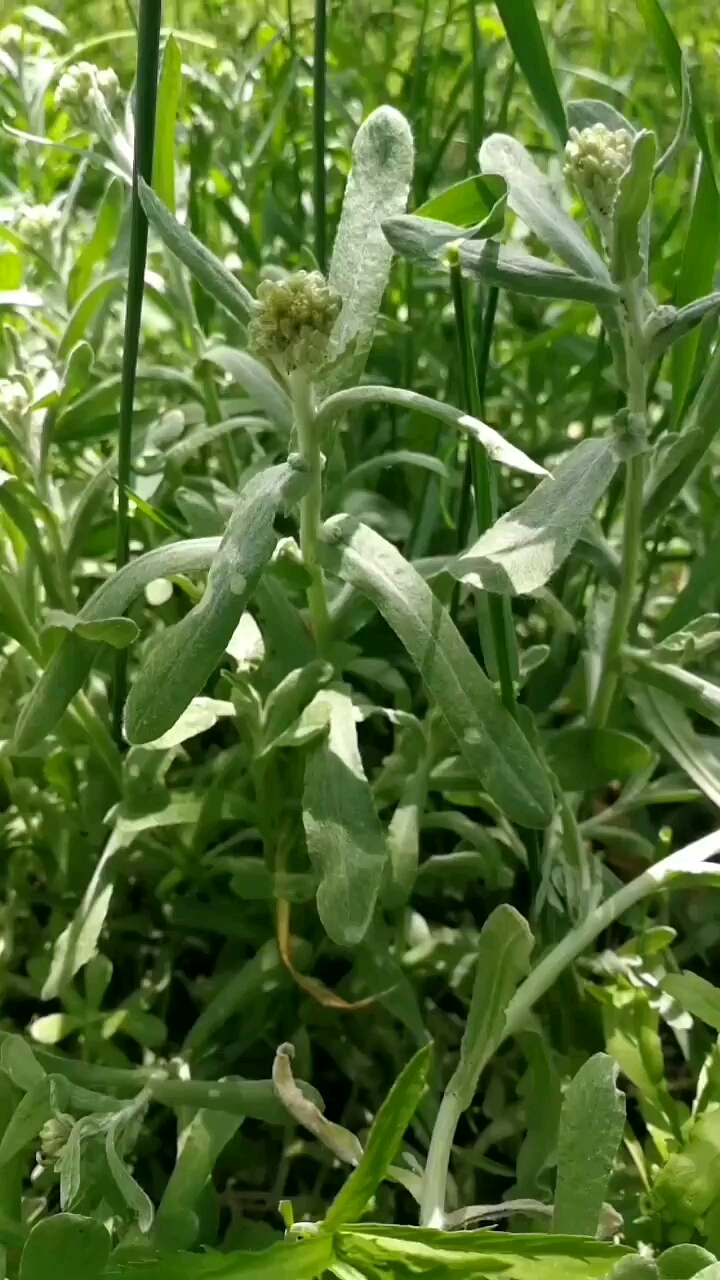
592, 1121
524, 33
694, 691
209, 272
72, 663
696, 995
531, 198
511, 268
498, 448
666, 720
344, 835
520, 553
503, 960
674, 323
256, 380
377, 188
633, 197
292, 1259
674, 467
477, 203
489, 739
424, 240
185, 656
383, 1141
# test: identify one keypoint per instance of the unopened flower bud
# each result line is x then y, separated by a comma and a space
14, 399
293, 321
37, 222
54, 1136
82, 84
595, 160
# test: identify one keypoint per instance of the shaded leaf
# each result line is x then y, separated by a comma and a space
344, 835
257, 381
696, 995
166, 113
477, 202
584, 758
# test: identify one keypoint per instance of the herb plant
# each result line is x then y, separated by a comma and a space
351, 743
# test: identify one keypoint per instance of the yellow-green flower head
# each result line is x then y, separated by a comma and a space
37, 222
79, 86
293, 321
14, 399
595, 160
54, 1136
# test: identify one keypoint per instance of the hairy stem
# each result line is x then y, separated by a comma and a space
308, 434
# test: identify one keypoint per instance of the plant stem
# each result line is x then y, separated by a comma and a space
308, 434
146, 95
689, 860
632, 517
319, 94
503, 637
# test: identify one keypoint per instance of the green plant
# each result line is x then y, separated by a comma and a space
417, 707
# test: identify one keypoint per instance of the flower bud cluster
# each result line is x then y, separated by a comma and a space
595, 160
79, 88
14, 399
293, 321
37, 222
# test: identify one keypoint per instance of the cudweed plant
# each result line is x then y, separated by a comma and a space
340, 845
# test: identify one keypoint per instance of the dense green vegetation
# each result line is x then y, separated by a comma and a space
359, 634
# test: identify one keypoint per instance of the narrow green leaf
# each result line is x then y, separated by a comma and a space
592, 1122
667, 42
491, 742
520, 553
28, 1118
377, 188
682, 321
524, 33
696, 276
168, 101
200, 1142
696, 995
344, 835
510, 268
631, 203
87, 307
131, 1191
68, 1245
102, 240
503, 960
663, 717
185, 656
584, 758
70, 666
256, 380
531, 198
704, 574
209, 272
681, 454
477, 202
118, 632
694, 691
383, 1142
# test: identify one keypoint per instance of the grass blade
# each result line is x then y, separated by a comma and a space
524, 33
145, 101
